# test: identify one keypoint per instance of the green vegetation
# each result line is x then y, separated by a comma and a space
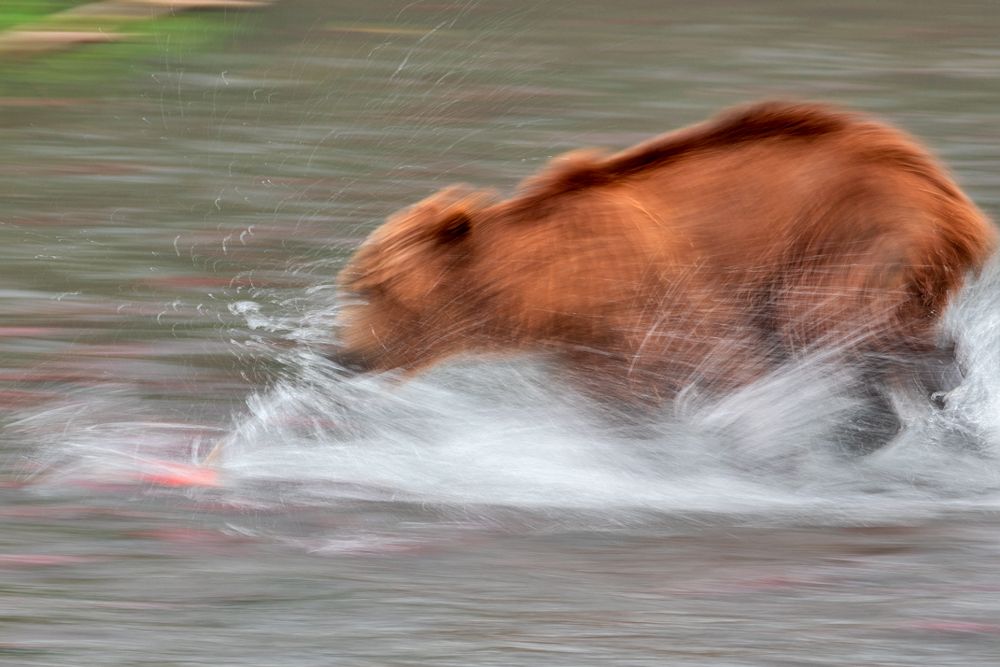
134, 42
17, 12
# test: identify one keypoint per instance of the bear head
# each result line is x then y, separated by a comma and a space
406, 301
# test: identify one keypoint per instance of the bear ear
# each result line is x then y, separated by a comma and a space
456, 211
454, 227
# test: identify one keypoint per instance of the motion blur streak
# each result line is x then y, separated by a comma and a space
175, 211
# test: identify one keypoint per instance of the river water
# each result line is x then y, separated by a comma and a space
169, 239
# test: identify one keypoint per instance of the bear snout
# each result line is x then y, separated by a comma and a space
350, 360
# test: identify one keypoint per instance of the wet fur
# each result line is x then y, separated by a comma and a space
707, 256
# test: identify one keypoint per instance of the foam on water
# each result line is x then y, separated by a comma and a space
480, 435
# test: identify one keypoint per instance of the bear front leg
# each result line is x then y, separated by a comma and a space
650, 370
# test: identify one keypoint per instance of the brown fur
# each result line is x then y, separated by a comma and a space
705, 255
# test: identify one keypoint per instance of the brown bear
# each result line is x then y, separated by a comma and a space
703, 257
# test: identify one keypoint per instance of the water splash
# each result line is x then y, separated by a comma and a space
487, 437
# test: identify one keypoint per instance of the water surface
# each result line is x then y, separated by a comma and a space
169, 242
